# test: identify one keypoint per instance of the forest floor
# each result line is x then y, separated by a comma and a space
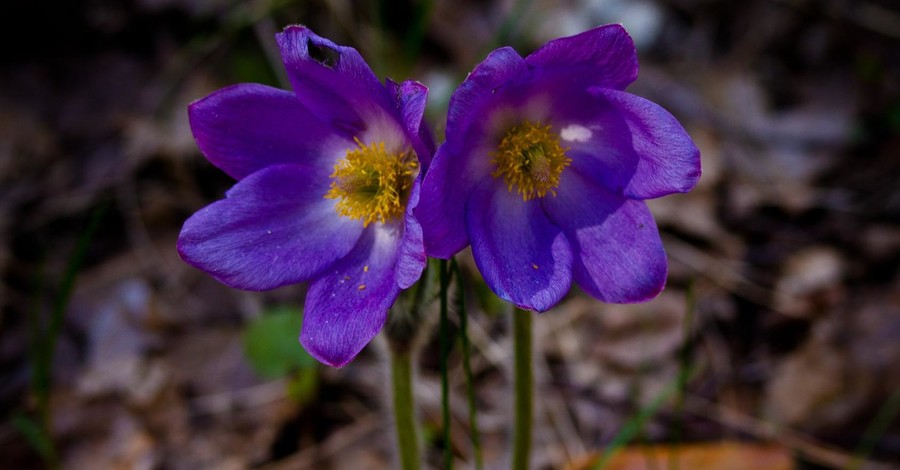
776, 343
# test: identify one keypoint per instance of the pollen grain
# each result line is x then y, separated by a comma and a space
530, 159
373, 184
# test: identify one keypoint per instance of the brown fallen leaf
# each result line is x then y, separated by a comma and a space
707, 456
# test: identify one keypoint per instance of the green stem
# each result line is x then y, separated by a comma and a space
403, 331
524, 385
467, 366
404, 414
444, 339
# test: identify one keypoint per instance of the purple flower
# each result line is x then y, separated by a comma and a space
545, 169
327, 180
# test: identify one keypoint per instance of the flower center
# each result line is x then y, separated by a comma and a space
530, 158
372, 184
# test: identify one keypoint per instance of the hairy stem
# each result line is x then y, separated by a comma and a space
404, 410
524, 386
467, 367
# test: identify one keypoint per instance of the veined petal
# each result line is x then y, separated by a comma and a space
605, 56
463, 161
667, 159
244, 128
500, 67
274, 228
524, 257
441, 210
348, 305
412, 259
447, 187
619, 257
333, 81
410, 97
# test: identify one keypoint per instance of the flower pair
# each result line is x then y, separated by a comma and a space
543, 171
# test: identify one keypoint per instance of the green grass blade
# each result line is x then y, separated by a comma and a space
61, 302
635, 425
876, 429
36, 435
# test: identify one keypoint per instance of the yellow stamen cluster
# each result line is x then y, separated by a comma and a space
372, 184
530, 159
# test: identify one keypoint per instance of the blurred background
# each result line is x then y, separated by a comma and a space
776, 344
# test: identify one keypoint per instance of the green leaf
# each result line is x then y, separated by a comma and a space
271, 345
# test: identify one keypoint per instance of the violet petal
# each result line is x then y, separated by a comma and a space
667, 159
500, 66
332, 81
348, 306
244, 128
412, 259
462, 162
619, 257
273, 229
411, 97
524, 257
605, 55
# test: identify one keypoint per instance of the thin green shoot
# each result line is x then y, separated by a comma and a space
37, 437
44, 338
636, 424
879, 425
460, 304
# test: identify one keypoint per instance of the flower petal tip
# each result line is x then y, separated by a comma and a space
325, 355
534, 307
293, 30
